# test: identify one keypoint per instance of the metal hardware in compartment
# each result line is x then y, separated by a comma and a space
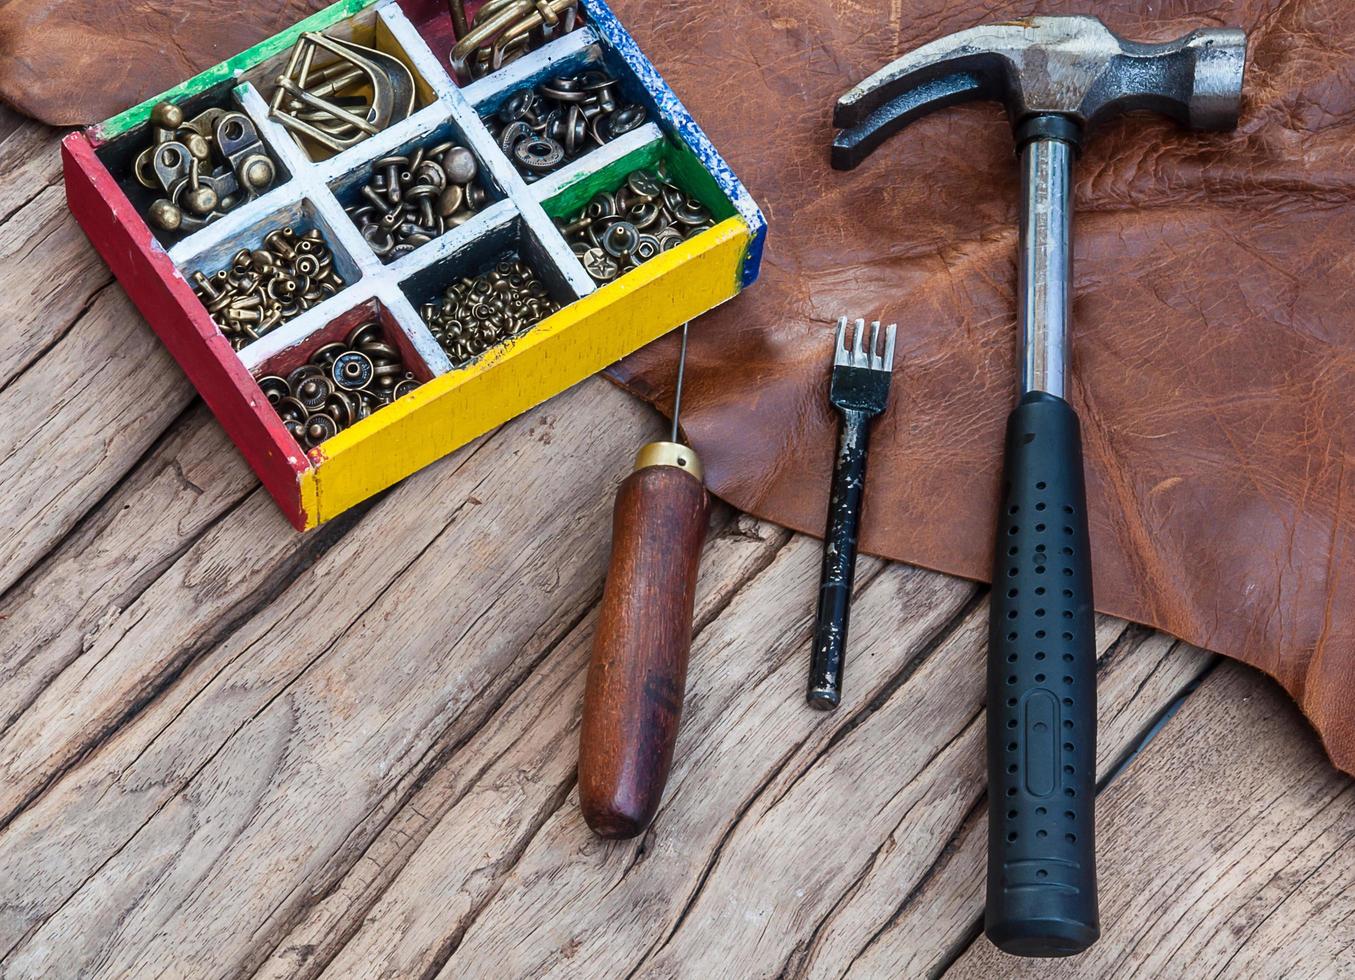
619, 230
192, 162
546, 127
502, 31
492, 291
290, 266
340, 383
478, 313
415, 195
338, 87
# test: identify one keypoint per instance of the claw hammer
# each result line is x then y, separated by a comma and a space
1056, 76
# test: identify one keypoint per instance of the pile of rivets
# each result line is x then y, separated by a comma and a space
480, 312
649, 214
262, 288
504, 30
410, 200
342, 383
544, 128
204, 166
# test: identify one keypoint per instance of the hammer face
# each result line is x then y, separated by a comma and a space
1073, 67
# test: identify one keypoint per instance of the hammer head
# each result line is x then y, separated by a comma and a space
1074, 68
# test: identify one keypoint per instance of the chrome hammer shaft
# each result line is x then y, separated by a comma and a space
1045, 264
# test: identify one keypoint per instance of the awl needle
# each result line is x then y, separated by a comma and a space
677, 392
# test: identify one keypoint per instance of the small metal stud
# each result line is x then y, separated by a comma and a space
646, 216
408, 200
561, 119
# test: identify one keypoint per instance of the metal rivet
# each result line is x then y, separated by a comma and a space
342, 383
408, 201
647, 215
544, 128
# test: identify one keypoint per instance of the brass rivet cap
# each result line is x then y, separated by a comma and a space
670, 454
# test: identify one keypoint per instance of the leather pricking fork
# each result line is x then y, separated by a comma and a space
860, 391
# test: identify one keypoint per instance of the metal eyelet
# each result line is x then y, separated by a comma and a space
275, 389
352, 370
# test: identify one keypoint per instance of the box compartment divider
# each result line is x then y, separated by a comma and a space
426, 63
596, 161
482, 142
345, 234
297, 331
278, 140
483, 225
423, 121
407, 319
554, 246
232, 224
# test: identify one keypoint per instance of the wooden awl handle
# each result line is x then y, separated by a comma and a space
638, 673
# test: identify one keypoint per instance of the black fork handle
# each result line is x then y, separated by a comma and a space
1042, 693
839, 561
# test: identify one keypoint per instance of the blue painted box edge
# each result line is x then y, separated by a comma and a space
680, 121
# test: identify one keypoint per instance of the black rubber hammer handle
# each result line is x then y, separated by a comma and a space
1042, 693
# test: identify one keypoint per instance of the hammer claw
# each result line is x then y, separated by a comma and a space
860, 138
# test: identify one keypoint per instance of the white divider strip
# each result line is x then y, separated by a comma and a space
402, 311
426, 63
554, 246
233, 225
343, 233
421, 123
487, 149
278, 139
457, 240
296, 331
595, 160
534, 64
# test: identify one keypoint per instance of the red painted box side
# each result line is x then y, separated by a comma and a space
169, 304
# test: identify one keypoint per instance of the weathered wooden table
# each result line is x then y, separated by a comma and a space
229, 749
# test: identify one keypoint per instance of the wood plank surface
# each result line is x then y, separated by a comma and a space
1222, 854
232, 750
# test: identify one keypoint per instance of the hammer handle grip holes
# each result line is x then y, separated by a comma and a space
1042, 693
839, 562
638, 673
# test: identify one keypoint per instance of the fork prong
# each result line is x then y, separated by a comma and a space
889, 346
840, 351
859, 358
874, 358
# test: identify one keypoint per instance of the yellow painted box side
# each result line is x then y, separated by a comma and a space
582, 339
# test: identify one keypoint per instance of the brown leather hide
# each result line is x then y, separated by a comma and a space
1213, 343
69, 62
1213, 350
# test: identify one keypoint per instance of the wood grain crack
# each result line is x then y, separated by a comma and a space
25, 202
47, 346
943, 632
442, 751
452, 943
952, 844
156, 686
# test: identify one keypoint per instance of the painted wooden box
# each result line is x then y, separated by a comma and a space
596, 325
